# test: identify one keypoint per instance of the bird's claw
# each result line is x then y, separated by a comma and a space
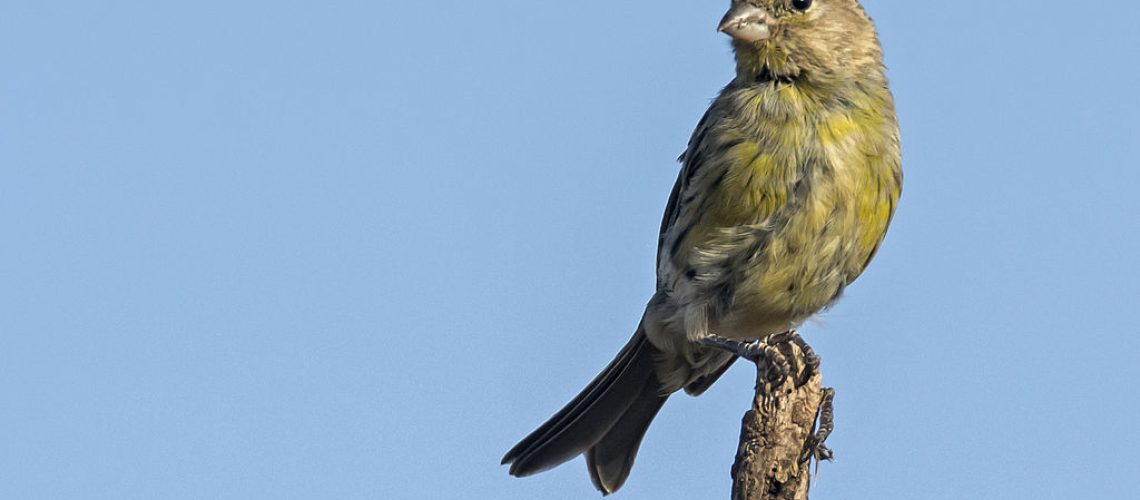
816, 449
766, 353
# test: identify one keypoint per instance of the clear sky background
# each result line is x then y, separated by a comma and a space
357, 249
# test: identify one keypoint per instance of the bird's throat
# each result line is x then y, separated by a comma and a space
764, 63
766, 76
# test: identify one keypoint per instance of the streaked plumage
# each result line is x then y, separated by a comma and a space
786, 190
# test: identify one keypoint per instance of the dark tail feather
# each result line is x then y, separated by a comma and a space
611, 459
612, 413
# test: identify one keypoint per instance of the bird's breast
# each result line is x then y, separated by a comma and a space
794, 205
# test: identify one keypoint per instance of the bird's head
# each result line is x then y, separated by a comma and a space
812, 41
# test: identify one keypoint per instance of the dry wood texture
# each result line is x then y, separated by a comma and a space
778, 435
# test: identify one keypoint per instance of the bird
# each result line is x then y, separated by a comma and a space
786, 189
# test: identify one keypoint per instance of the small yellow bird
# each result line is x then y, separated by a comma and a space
786, 190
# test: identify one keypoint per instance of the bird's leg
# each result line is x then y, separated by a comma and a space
766, 353
809, 356
816, 449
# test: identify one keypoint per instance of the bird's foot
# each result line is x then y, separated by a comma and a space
766, 353
810, 358
815, 447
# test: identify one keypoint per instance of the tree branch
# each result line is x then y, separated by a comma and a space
778, 438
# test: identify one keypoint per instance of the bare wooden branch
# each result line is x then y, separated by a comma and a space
777, 436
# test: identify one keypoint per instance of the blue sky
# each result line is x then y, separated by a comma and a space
358, 249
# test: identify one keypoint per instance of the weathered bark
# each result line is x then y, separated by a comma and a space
777, 436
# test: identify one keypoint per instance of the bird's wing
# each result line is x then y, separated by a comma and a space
689, 164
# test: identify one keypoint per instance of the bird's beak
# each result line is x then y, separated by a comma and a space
746, 22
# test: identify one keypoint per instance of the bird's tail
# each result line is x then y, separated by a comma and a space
606, 421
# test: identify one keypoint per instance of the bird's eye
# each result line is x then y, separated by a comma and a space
801, 5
